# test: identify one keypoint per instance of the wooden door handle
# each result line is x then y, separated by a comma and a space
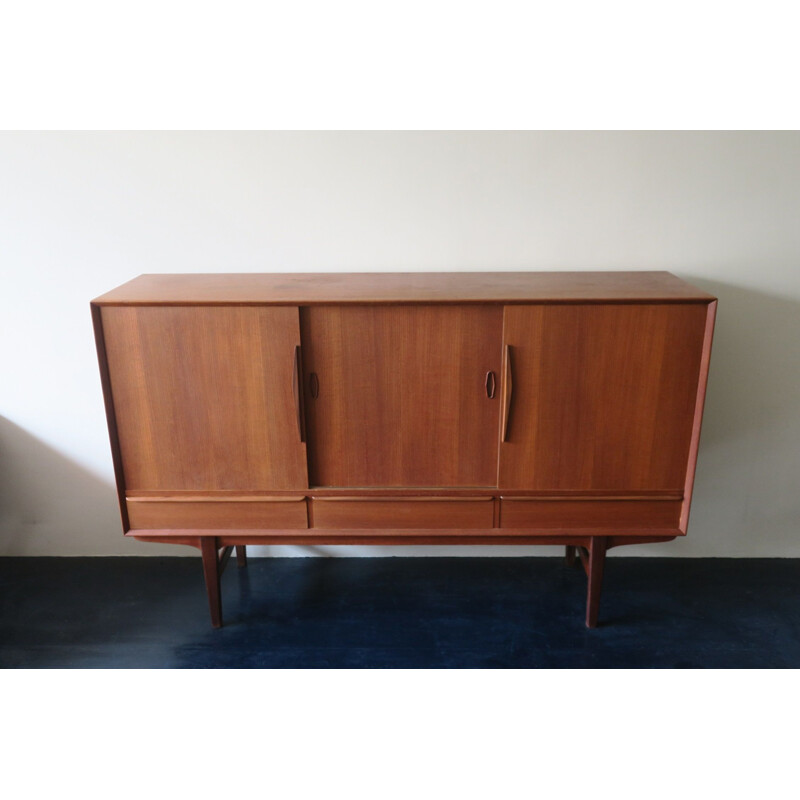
297, 391
508, 388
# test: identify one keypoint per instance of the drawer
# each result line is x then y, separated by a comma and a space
215, 513
402, 512
529, 512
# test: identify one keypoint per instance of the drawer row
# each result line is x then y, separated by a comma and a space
340, 512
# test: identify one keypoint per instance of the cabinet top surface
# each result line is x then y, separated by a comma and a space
402, 287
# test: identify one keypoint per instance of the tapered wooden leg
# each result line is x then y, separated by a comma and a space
241, 555
570, 555
597, 559
208, 547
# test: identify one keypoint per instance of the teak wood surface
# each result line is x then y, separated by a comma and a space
203, 396
404, 513
603, 396
197, 513
480, 408
524, 512
301, 289
402, 398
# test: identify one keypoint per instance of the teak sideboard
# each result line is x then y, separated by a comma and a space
445, 408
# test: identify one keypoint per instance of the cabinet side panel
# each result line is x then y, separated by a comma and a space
203, 396
113, 434
604, 396
698, 415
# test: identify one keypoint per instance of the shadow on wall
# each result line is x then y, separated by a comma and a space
754, 380
51, 506
746, 500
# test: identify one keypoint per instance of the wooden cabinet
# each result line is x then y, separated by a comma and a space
475, 408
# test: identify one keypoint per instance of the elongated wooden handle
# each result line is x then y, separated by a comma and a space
508, 388
297, 391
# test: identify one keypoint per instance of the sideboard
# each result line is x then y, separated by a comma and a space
407, 408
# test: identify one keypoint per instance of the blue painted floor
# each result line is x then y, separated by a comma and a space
399, 612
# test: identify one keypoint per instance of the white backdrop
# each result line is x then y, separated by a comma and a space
82, 212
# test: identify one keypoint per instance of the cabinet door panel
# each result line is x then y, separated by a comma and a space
402, 397
203, 396
603, 396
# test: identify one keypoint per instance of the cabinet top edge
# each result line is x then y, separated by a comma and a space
303, 288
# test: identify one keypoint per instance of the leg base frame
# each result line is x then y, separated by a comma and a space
588, 551
215, 559
595, 562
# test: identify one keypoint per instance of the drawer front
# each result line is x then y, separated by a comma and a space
401, 512
583, 514
217, 514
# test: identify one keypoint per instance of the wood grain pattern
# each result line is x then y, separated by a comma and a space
298, 289
604, 396
595, 514
182, 514
373, 513
402, 399
203, 397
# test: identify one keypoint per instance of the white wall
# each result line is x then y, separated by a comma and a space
81, 213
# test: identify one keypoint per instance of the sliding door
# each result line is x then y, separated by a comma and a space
402, 395
600, 398
203, 396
